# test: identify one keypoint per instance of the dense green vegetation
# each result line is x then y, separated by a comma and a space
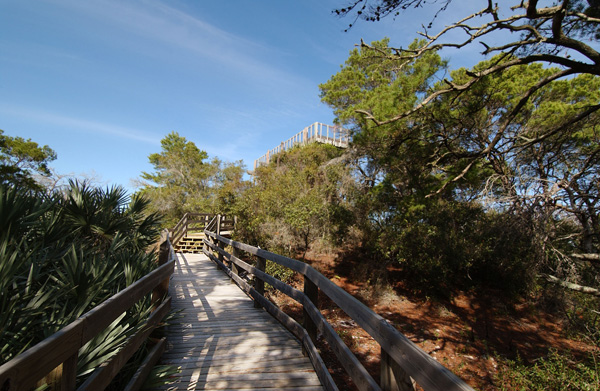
299, 201
63, 253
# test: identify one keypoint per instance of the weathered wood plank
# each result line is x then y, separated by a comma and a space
278, 364
228, 358
308, 347
192, 386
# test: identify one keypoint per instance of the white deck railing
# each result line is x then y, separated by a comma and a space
326, 134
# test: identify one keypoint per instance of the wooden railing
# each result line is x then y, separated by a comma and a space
58, 354
322, 133
198, 222
401, 360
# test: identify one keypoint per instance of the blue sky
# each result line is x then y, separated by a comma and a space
103, 81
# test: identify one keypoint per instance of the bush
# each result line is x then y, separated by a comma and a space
296, 201
281, 273
448, 245
555, 372
63, 254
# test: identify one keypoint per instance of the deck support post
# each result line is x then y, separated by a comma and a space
220, 256
235, 268
161, 289
259, 285
69, 373
216, 241
63, 377
392, 376
312, 293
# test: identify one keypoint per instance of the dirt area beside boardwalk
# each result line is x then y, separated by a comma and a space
468, 334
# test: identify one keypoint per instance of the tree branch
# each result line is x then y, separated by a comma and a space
593, 258
571, 286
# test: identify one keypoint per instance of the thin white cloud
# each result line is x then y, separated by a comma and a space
159, 22
78, 124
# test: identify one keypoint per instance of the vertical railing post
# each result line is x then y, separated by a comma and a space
392, 376
222, 259
311, 291
161, 290
69, 373
63, 377
185, 225
235, 252
259, 285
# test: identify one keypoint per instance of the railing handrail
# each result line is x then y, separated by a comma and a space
412, 361
26, 369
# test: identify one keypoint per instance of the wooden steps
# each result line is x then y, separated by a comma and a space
221, 342
192, 243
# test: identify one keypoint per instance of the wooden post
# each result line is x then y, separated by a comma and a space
392, 376
69, 373
312, 293
218, 231
161, 289
259, 285
235, 252
185, 226
221, 245
63, 377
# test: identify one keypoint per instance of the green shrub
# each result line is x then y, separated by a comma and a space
555, 372
281, 273
63, 254
445, 245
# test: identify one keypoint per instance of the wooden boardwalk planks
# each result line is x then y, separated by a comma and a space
221, 342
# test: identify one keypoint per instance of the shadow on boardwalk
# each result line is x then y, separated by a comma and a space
220, 341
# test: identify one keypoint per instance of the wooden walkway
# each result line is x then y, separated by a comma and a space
221, 342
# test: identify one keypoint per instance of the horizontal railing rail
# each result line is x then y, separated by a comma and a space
402, 362
60, 350
322, 133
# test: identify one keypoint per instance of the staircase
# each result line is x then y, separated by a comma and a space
188, 234
191, 243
